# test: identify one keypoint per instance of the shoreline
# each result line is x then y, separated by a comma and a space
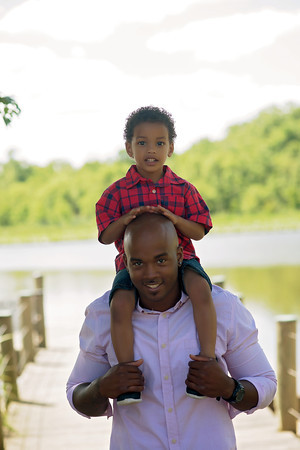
261, 248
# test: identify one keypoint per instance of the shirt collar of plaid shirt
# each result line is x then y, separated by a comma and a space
133, 177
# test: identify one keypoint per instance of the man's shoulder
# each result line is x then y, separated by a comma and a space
100, 305
224, 299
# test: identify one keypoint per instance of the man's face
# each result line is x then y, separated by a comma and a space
152, 259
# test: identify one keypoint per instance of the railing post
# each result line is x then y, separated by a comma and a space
8, 351
39, 310
1, 431
286, 371
26, 317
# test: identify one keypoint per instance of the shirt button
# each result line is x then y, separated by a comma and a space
170, 410
166, 377
173, 441
153, 191
163, 345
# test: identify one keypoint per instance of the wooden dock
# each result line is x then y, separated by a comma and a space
42, 419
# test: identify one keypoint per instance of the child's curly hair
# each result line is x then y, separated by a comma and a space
149, 114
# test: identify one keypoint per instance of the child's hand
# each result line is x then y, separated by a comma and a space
131, 215
165, 212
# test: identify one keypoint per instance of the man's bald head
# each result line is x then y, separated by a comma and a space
147, 225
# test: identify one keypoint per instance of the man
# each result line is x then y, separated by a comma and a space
165, 347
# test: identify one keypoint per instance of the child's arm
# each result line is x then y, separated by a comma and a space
190, 229
115, 230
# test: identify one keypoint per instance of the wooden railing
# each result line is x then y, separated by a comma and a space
31, 334
287, 402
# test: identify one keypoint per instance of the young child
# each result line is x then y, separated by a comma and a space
151, 186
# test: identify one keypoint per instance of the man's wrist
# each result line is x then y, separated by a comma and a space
96, 387
237, 395
230, 386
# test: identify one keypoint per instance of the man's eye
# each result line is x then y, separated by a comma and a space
161, 260
137, 264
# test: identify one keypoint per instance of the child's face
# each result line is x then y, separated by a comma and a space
150, 148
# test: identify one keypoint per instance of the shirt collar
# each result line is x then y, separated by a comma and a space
169, 177
183, 299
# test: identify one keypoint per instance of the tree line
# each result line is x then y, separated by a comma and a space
254, 168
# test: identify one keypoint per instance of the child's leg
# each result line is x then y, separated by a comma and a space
121, 309
199, 292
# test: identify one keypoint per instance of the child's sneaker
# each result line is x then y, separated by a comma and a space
128, 398
194, 394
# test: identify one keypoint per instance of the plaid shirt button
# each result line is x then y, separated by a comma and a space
153, 191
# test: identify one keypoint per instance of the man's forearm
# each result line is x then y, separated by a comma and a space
250, 399
88, 400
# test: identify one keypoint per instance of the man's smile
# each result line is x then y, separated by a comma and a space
152, 285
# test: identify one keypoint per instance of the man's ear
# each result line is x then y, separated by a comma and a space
179, 254
171, 149
125, 260
128, 149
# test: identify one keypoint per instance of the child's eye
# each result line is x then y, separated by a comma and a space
160, 143
141, 143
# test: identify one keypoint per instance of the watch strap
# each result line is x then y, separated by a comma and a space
238, 387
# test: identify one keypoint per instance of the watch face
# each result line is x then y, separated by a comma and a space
240, 392
240, 395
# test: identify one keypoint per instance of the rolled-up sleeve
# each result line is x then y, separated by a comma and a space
246, 360
92, 360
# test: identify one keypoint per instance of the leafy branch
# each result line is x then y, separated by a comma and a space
8, 109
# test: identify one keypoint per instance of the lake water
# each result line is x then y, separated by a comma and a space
263, 267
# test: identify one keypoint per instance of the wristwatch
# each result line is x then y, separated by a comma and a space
238, 393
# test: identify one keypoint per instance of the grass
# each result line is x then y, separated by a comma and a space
223, 223
289, 220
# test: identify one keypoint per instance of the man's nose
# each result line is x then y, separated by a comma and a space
150, 271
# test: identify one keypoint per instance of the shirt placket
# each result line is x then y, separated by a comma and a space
166, 377
152, 193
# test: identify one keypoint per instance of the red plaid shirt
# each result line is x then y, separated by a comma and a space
171, 192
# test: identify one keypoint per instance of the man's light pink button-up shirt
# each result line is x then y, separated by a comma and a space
167, 418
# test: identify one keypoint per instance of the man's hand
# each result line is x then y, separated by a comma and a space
92, 398
124, 377
207, 377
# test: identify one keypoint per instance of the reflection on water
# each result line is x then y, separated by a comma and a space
267, 292
276, 288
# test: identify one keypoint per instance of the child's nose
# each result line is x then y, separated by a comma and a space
151, 148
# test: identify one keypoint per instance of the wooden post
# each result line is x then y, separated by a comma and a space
8, 351
39, 310
286, 371
1, 432
26, 317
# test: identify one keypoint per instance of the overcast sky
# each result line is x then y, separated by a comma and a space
78, 68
